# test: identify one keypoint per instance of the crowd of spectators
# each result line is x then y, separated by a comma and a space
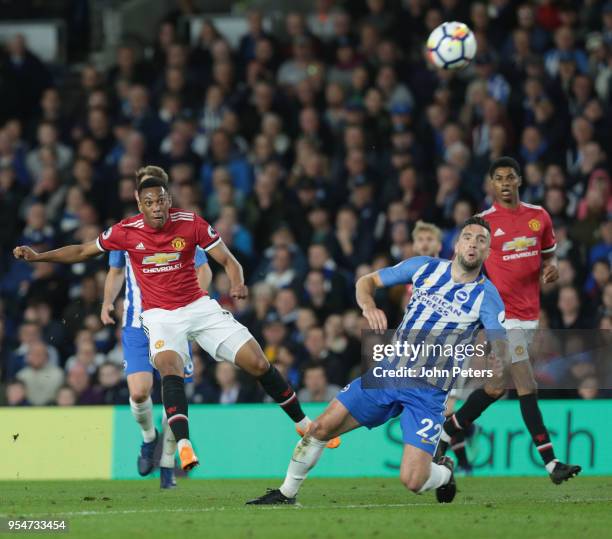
313, 149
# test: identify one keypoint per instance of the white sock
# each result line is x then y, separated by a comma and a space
303, 423
444, 436
182, 443
550, 466
305, 455
169, 445
143, 414
439, 475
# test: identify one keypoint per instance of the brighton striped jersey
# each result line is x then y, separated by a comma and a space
132, 303
441, 309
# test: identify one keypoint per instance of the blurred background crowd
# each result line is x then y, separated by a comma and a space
314, 147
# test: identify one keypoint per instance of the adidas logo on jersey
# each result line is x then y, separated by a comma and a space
499, 232
141, 246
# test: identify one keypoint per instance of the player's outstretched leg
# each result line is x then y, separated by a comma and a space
335, 420
139, 384
251, 358
170, 366
167, 479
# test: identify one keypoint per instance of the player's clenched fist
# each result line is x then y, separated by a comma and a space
550, 274
25, 252
240, 291
376, 318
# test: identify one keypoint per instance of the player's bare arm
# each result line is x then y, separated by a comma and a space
112, 286
365, 288
71, 254
221, 254
550, 268
204, 274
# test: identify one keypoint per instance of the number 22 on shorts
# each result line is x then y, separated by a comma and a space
425, 433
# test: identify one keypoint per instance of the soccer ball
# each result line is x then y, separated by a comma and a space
451, 45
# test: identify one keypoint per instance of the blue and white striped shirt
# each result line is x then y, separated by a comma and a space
442, 307
132, 303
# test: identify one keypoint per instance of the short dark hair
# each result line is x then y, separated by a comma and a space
476, 220
504, 161
151, 171
151, 182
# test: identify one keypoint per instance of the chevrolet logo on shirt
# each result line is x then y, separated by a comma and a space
519, 244
161, 259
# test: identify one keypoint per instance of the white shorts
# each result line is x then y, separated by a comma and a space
213, 328
520, 335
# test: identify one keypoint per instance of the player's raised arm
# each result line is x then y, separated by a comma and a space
366, 286
210, 241
365, 289
70, 254
221, 254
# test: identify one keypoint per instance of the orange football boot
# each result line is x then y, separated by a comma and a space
188, 458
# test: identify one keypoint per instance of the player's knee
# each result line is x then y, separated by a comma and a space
251, 358
170, 368
260, 365
168, 359
139, 394
412, 480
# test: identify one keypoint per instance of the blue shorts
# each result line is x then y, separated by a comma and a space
136, 353
421, 411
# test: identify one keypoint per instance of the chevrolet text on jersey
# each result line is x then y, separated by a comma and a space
516, 255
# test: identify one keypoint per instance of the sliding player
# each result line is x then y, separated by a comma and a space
439, 287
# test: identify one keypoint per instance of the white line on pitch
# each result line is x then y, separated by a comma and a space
276, 507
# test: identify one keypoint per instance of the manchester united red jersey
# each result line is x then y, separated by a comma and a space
162, 259
519, 237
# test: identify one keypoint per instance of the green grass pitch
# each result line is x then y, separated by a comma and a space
329, 508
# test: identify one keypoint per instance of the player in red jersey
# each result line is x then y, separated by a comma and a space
161, 242
522, 251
